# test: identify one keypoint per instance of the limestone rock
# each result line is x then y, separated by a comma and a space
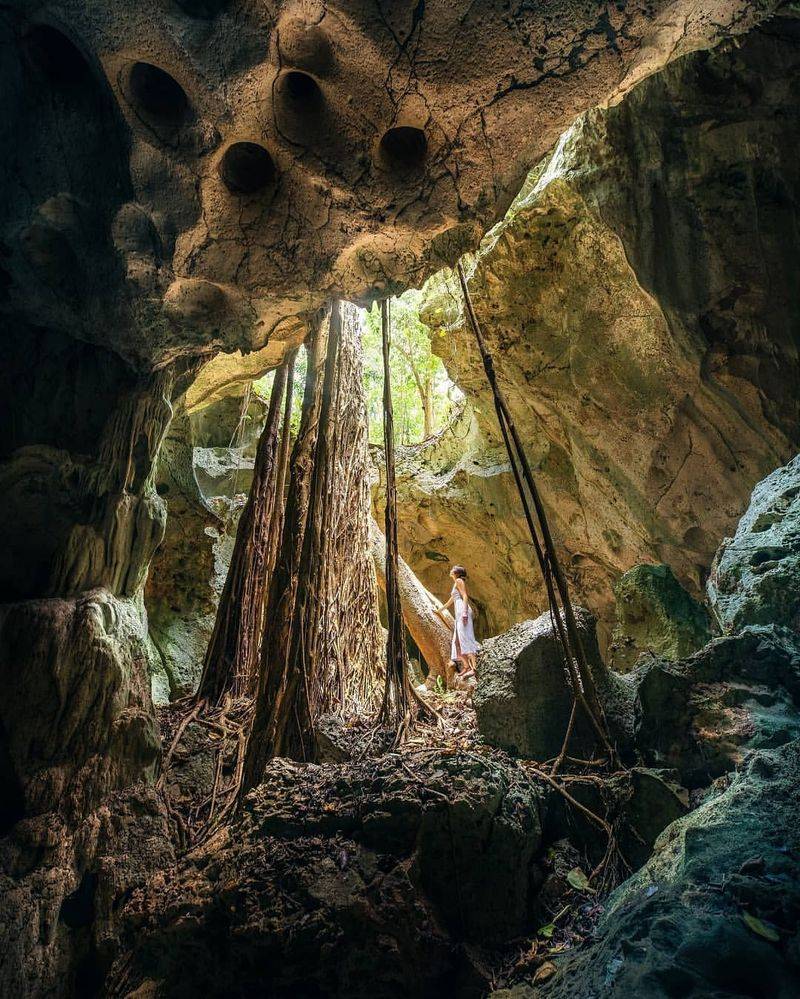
203, 482
655, 614
458, 505
220, 176
62, 889
754, 578
76, 720
522, 698
648, 355
730, 860
701, 716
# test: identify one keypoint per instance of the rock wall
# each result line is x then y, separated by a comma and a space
640, 300
717, 904
205, 469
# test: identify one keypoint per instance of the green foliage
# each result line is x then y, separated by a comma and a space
263, 387
420, 386
421, 390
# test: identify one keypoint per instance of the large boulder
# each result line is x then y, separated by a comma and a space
715, 911
702, 715
76, 717
754, 576
523, 699
655, 614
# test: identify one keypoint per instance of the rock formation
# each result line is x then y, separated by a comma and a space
717, 902
655, 615
184, 179
649, 354
754, 575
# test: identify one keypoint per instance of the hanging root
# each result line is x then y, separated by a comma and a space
560, 603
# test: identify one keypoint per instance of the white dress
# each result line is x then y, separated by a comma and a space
463, 633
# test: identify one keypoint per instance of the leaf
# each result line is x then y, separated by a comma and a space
547, 931
578, 879
754, 924
543, 972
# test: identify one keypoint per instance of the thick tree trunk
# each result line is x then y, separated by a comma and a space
320, 650
230, 663
431, 635
282, 697
351, 657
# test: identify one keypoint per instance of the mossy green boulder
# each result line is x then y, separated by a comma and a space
655, 614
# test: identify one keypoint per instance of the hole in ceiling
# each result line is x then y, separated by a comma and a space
404, 148
156, 93
302, 90
55, 56
246, 168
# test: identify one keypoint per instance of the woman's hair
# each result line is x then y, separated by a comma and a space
459, 571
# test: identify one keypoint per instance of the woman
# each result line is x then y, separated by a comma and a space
464, 646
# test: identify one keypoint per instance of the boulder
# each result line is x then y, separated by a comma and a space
714, 912
522, 698
754, 576
655, 614
701, 716
76, 718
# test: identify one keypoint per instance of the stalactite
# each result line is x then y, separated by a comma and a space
112, 548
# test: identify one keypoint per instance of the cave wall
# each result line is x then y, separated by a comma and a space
640, 300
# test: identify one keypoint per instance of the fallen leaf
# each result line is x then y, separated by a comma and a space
547, 931
754, 924
578, 879
543, 972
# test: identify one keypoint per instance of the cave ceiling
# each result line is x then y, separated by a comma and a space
187, 176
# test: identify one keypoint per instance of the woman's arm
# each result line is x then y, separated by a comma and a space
445, 606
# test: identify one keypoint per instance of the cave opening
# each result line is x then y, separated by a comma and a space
402, 498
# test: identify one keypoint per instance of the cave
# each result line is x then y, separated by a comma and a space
400, 414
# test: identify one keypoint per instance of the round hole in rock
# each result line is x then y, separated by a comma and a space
55, 56
404, 148
246, 168
156, 93
302, 89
